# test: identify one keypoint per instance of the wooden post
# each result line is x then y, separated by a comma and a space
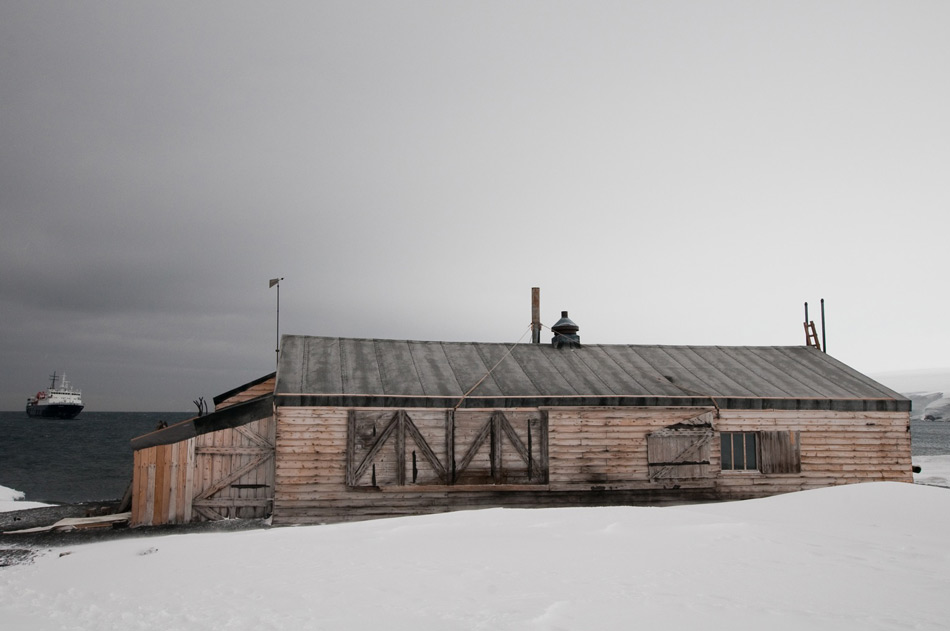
450, 446
530, 455
543, 447
495, 448
351, 464
401, 448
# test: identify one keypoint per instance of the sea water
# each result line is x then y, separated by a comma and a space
930, 438
89, 458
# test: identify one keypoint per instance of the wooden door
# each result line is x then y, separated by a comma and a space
234, 472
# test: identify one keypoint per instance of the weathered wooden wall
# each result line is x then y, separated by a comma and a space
606, 446
336, 465
836, 448
224, 474
162, 482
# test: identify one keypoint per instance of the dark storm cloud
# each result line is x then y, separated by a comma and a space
675, 173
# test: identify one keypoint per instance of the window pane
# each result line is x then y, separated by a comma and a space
750, 451
726, 440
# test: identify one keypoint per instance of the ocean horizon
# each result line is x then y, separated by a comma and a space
86, 459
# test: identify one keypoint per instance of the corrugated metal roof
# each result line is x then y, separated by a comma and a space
405, 373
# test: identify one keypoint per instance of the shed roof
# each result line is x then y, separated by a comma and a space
331, 371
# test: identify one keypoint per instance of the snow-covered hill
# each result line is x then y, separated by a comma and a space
937, 410
929, 390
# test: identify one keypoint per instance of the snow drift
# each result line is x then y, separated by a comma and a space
871, 556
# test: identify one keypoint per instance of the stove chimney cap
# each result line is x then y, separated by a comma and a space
565, 333
565, 325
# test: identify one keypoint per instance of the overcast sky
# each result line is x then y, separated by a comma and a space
669, 172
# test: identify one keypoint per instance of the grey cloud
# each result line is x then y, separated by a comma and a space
669, 173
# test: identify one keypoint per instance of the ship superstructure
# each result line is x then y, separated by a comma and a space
60, 400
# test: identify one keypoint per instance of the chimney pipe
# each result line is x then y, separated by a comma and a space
535, 315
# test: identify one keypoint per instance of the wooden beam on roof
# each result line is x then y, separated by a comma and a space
229, 417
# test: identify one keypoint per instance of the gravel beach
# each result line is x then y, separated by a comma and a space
22, 548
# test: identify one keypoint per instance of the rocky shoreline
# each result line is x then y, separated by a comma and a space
21, 548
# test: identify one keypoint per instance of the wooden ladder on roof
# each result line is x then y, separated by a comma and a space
811, 335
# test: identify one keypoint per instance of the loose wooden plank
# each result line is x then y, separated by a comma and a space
78, 523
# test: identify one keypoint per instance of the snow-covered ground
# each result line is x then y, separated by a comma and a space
934, 470
869, 556
11, 500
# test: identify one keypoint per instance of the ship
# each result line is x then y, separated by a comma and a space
60, 400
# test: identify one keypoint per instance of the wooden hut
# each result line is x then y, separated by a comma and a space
364, 428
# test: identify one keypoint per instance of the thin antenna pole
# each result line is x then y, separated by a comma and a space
824, 343
276, 281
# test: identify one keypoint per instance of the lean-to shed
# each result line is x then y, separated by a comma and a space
218, 466
365, 428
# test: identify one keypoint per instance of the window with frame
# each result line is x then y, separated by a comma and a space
739, 451
773, 452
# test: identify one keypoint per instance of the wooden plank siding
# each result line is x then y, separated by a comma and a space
605, 447
161, 484
835, 447
591, 456
227, 474
305, 466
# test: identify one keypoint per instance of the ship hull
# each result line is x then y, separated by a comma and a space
54, 410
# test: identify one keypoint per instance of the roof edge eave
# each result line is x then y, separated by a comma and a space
554, 401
